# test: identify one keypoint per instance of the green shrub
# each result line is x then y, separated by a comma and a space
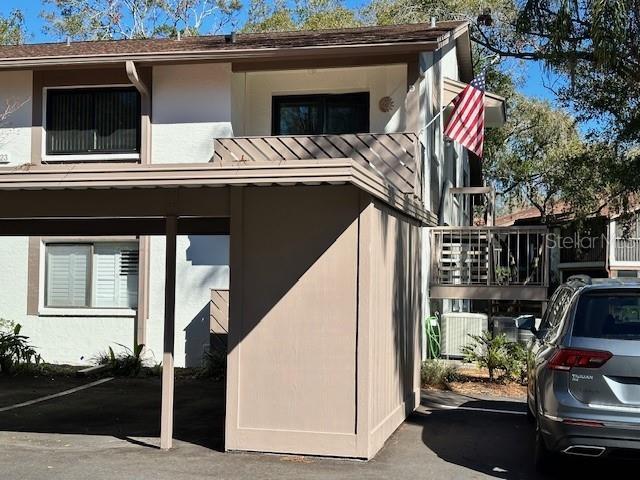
438, 373
489, 352
15, 350
498, 355
519, 357
214, 365
127, 363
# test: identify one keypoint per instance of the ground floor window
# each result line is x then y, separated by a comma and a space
91, 275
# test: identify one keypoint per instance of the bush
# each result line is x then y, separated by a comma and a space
214, 365
438, 373
488, 352
15, 350
124, 364
519, 357
497, 354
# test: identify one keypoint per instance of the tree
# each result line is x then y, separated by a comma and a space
540, 158
303, 15
12, 29
265, 17
594, 46
117, 19
593, 43
587, 171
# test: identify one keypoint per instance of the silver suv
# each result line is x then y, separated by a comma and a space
584, 370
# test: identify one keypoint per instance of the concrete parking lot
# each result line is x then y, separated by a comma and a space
110, 431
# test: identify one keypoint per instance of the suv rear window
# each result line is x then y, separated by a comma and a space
609, 314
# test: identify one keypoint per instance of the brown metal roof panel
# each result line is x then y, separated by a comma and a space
333, 171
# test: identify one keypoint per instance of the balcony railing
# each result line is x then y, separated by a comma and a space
586, 250
394, 156
489, 256
627, 250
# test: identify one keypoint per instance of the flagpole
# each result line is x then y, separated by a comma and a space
436, 116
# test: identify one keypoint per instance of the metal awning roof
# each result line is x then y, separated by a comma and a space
27, 179
495, 106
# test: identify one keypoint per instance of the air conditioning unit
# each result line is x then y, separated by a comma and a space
455, 330
507, 326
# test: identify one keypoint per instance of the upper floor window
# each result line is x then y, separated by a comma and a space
85, 121
321, 114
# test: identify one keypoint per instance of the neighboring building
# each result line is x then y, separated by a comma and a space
600, 246
327, 156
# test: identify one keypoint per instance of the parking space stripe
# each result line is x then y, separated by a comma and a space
473, 409
56, 395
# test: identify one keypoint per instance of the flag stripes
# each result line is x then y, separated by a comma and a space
466, 124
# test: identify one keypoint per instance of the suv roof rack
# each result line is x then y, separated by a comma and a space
586, 279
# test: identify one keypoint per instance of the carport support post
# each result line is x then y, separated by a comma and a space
166, 421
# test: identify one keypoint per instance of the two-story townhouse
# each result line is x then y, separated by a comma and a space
295, 170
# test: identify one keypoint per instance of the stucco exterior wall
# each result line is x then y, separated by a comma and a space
253, 91
202, 264
58, 339
191, 106
15, 130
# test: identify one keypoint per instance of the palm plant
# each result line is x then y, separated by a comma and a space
15, 350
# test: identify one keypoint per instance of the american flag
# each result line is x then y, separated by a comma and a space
466, 124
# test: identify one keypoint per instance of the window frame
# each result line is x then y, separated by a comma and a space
320, 98
90, 311
87, 157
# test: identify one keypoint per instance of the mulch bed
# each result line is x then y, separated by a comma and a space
475, 382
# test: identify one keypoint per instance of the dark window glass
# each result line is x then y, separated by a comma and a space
318, 114
610, 314
553, 319
93, 121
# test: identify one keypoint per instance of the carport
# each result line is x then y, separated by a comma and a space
357, 375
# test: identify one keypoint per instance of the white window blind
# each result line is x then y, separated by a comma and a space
99, 275
67, 275
115, 275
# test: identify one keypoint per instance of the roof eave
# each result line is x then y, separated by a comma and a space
224, 55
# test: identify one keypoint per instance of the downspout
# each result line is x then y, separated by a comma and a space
145, 111
144, 243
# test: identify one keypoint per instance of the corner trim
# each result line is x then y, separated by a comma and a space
33, 275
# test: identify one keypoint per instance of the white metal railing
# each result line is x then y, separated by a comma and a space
627, 250
490, 256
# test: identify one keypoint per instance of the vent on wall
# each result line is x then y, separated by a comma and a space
456, 328
129, 262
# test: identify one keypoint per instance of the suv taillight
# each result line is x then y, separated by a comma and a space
567, 358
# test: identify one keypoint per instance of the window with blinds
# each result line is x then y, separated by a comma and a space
320, 114
96, 275
91, 120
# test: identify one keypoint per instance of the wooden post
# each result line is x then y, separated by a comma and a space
166, 419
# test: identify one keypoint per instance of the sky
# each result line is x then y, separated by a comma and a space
535, 78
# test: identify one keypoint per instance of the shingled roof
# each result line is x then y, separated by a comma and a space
244, 42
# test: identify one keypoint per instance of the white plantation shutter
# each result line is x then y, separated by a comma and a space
67, 275
115, 275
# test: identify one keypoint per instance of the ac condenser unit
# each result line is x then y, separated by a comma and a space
456, 328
